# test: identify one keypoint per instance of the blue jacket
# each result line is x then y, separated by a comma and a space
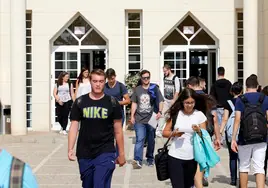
204, 153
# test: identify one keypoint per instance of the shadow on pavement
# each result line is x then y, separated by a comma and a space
221, 179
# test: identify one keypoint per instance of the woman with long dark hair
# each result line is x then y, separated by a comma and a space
190, 109
64, 95
82, 84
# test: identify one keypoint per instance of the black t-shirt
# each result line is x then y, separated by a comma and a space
96, 135
226, 106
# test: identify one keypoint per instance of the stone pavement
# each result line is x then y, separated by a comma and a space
47, 155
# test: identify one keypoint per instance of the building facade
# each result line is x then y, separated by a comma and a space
41, 38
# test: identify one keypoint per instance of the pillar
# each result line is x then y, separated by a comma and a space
18, 66
250, 38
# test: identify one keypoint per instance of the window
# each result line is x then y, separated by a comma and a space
240, 42
29, 68
134, 41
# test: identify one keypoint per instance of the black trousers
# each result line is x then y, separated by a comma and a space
181, 172
63, 113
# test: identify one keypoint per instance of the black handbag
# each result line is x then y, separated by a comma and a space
161, 162
161, 158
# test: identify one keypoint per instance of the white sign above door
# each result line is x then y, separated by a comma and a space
79, 30
188, 30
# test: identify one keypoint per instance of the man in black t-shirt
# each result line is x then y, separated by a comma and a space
100, 117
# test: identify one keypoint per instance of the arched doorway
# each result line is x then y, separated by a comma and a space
191, 50
79, 44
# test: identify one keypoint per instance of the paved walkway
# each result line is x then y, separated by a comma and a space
47, 155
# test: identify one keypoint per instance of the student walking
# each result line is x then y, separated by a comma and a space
82, 84
189, 113
251, 111
64, 95
100, 117
116, 89
227, 127
172, 88
142, 109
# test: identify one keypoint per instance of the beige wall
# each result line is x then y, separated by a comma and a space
49, 16
5, 51
265, 42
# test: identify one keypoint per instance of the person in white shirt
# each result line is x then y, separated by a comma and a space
64, 95
172, 88
190, 109
82, 84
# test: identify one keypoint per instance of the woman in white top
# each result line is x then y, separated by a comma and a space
190, 108
64, 95
82, 84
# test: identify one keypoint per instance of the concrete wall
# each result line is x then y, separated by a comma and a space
49, 16
265, 42
5, 51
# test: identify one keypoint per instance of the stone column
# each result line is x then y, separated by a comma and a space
18, 66
250, 38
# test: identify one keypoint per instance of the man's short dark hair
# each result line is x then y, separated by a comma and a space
167, 66
193, 81
144, 72
252, 82
237, 88
110, 73
254, 76
221, 71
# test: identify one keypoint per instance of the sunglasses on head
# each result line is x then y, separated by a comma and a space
145, 78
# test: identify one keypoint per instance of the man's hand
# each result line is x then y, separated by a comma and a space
234, 146
121, 160
71, 155
132, 119
217, 144
158, 116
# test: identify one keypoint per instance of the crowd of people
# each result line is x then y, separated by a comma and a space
184, 110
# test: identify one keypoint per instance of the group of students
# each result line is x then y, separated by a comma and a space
217, 112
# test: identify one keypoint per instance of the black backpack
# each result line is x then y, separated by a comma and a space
253, 121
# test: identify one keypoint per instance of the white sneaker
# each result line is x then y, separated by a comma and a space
64, 132
159, 133
61, 132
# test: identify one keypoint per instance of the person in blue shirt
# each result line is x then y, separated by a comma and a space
28, 179
116, 89
249, 150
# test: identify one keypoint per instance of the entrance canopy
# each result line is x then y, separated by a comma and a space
78, 31
189, 31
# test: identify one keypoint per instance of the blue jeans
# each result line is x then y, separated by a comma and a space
233, 160
220, 112
97, 172
142, 131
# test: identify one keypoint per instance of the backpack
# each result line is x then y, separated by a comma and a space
154, 101
230, 122
254, 123
16, 173
173, 83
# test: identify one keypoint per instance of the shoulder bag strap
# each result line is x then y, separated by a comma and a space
16, 173
231, 105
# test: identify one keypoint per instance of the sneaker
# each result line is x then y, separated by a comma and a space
136, 165
233, 183
61, 132
158, 133
205, 182
150, 163
64, 132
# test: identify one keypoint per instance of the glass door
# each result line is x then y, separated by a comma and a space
212, 67
68, 61
179, 64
